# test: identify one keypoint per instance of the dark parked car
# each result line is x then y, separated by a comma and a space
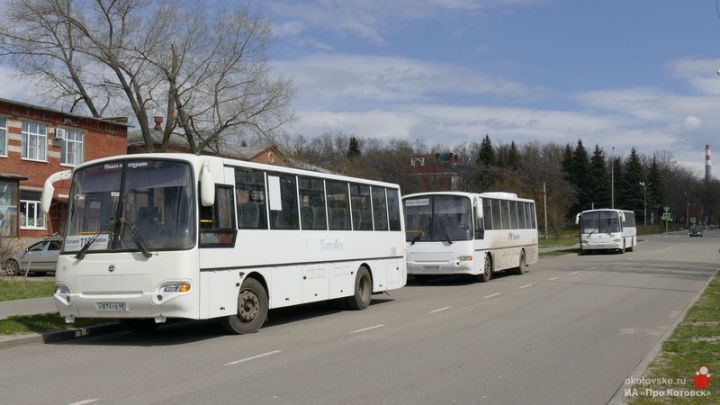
696, 230
41, 257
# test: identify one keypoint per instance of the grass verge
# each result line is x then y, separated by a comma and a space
558, 242
16, 325
671, 378
19, 289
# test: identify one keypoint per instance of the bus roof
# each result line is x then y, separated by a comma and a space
199, 159
492, 194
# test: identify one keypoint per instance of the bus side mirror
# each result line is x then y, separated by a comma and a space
577, 219
207, 187
49, 189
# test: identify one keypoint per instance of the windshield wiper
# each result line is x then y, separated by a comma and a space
81, 253
137, 238
415, 239
447, 237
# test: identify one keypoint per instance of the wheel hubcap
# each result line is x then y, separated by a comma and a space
248, 306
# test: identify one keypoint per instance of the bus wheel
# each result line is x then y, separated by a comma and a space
363, 290
487, 270
521, 266
632, 246
622, 251
252, 309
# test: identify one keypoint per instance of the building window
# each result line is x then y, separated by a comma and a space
3, 136
8, 208
71, 152
31, 216
34, 138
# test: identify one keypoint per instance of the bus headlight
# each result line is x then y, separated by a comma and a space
175, 287
465, 258
63, 292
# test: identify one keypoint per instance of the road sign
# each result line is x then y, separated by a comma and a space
666, 216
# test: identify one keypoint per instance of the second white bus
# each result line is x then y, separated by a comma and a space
607, 229
468, 233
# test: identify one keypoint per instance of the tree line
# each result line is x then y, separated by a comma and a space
574, 179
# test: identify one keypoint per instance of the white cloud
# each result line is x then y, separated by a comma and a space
14, 85
701, 74
343, 81
692, 122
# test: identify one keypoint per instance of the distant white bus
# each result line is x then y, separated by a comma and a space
467, 233
157, 236
607, 229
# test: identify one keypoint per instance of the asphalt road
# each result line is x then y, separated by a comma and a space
567, 332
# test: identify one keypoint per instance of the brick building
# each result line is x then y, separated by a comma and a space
441, 172
36, 142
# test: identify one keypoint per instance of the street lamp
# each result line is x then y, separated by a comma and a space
612, 178
642, 184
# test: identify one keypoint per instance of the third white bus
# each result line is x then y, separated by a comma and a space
469, 233
607, 229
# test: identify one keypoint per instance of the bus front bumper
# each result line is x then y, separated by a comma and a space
440, 268
154, 305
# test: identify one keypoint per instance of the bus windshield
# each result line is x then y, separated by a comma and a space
131, 205
435, 218
600, 222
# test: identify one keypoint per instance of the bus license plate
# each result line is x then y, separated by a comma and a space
111, 307
431, 268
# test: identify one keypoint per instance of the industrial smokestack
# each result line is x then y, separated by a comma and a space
708, 173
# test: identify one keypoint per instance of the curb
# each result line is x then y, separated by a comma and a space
619, 397
61, 335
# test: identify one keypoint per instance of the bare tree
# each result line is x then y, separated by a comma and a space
207, 72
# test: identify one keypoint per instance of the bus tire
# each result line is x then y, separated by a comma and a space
363, 290
520, 270
139, 325
622, 251
487, 270
632, 246
252, 309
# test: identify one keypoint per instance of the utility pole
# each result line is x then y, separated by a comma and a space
612, 178
545, 209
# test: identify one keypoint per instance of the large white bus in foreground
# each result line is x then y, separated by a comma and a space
467, 233
157, 236
607, 229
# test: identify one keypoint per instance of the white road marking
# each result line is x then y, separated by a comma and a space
492, 295
85, 401
434, 311
367, 329
575, 272
525, 286
232, 363
554, 278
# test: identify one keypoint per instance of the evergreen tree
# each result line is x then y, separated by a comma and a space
600, 179
656, 195
630, 190
616, 174
513, 161
486, 156
353, 148
581, 177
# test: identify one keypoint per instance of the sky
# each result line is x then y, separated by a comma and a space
617, 73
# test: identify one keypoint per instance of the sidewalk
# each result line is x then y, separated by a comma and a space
32, 306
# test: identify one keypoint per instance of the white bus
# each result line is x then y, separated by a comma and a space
157, 236
607, 229
467, 233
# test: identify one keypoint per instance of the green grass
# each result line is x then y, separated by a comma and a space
562, 252
558, 242
15, 325
695, 342
19, 289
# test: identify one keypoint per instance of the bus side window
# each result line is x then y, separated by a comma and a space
217, 223
393, 209
479, 230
